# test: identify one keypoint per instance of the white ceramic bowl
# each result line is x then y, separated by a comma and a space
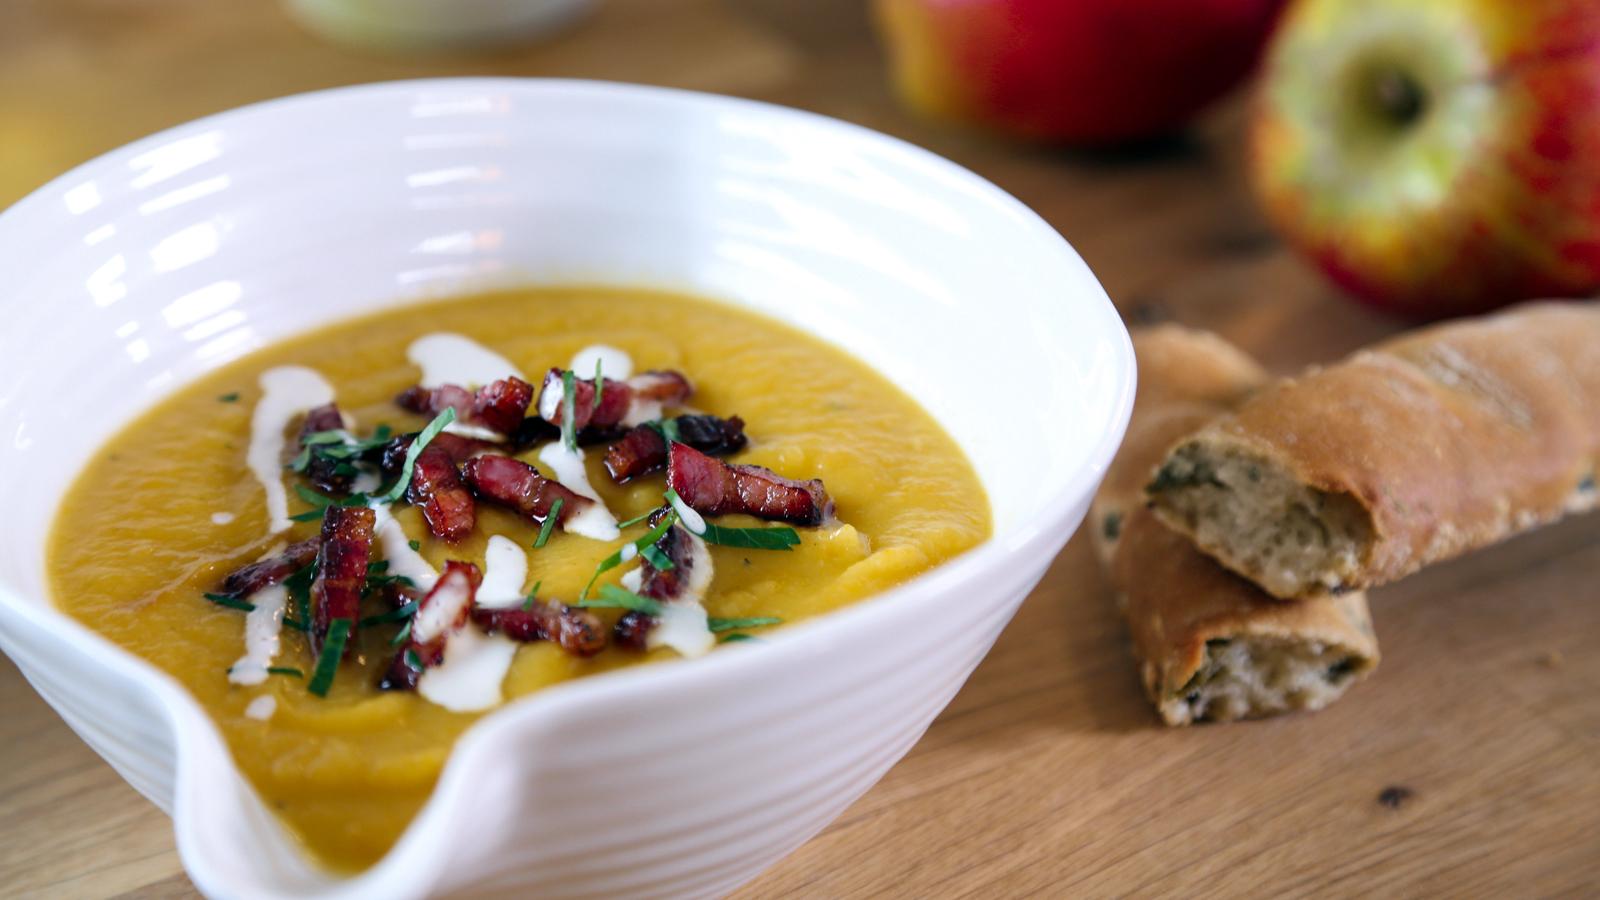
135, 273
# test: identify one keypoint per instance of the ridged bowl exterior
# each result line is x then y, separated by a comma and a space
133, 274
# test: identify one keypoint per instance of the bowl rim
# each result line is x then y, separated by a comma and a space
1035, 540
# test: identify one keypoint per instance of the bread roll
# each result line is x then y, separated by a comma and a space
1427, 446
1210, 645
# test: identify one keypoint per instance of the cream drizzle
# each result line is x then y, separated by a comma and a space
261, 708
286, 392
595, 522
474, 663
261, 629
446, 358
397, 550
505, 571
615, 363
683, 624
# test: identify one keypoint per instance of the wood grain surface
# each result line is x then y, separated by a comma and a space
1468, 765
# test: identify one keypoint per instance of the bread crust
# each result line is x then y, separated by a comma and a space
1183, 609
1446, 439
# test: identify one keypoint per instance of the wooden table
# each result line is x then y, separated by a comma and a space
1048, 775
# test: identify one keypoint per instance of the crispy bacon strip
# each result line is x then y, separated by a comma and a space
616, 401
643, 450
436, 488
499, 406
257, 576
323, 471
341, 571
441, 612
576, 631
459, 448
633, 629
518, 486
713, 487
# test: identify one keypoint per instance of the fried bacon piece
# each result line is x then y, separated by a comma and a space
499, 406
257, 576
632, 631
685, 551
441, 612
576, 631
643, 450
619, 401
460, 449
518, 486
436, 488
713, 487
324, 471
341, 571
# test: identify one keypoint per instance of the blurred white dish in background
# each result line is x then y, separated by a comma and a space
142, 269
434, 24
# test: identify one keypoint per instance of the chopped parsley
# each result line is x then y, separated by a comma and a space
549, 523
613, 597
636, 519
230, 397
320, 503
427, 434
667, 428
328, 661
400, 638
299, 585
414, 661
655, 556
615, 559
736, 637
402, 614
231, 602
777, 538
599, 384
414, 545
532, 598
717, 625
290, 671
569, 411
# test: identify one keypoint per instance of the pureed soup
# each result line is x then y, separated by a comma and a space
353, 544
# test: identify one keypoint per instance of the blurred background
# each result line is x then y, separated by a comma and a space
1161, 211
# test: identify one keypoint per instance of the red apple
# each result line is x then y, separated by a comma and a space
1436, 157
1076, 71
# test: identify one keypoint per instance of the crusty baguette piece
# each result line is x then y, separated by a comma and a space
1422, 448
1186, 379
1210, 645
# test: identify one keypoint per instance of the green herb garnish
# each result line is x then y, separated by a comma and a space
599, 384
414, 661
736, 638
569, 412
427, 434
328, 661
636, 519
667, 428
655, 557
291, 671
321, 503
400, 637
230, 397
394, 615
231, 602
777, 538
533, 597
549, 523
414, 545
613, 597
716, 624
299, 585
296, 624
615, 559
